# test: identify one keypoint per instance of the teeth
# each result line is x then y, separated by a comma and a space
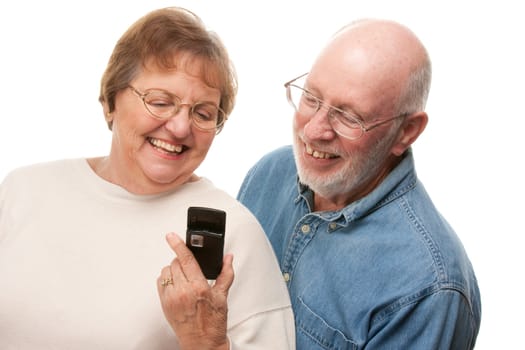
318, 154
165, 146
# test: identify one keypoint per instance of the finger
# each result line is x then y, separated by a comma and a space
185, 259
164, 273
165, 279
173, 239
225, 279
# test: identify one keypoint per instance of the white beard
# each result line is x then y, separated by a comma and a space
354, 174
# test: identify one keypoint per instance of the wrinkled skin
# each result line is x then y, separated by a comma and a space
196, 310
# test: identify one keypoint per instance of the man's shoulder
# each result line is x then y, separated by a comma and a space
279, 159
273, 172
282, 154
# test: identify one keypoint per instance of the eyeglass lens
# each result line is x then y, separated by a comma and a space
164, 106
307, 105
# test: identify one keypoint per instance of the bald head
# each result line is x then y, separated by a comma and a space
381, 61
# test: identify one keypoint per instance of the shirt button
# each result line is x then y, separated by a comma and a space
286, 276
333, 225
305, 229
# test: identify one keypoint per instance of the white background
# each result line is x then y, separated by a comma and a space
470, 157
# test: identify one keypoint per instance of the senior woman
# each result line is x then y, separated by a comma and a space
83, 255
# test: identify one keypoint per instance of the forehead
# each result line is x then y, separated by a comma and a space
362, 77
182, 82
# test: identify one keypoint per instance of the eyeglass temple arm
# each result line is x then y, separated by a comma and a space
373, 126
294, 79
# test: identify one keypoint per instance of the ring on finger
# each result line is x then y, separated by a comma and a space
166, 281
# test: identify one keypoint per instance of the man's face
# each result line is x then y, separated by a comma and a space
328, 163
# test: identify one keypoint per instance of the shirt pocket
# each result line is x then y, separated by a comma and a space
313, 330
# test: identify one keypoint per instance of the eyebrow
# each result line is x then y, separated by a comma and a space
207, 100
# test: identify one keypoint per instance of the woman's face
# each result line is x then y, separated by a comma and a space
149, 155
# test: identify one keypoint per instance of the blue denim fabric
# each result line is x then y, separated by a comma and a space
386, 272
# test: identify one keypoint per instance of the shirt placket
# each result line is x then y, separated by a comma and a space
304, 232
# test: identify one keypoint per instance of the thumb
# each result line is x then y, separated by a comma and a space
225, 279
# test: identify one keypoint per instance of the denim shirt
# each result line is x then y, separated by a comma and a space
385, 272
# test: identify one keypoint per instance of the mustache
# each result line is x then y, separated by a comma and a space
319, 145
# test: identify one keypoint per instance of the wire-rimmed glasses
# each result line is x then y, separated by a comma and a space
164, 105
344, 123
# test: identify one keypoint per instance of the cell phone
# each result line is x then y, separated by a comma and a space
205, 238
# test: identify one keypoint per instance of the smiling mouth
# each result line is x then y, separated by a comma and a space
318, 154
166, 147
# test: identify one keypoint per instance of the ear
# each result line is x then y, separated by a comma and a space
412, 127
107, 115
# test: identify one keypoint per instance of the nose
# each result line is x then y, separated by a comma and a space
318, 127
180, 123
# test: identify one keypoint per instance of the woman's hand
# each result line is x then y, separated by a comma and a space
196, 311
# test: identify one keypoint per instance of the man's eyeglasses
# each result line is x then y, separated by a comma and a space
163, 105
344, 123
